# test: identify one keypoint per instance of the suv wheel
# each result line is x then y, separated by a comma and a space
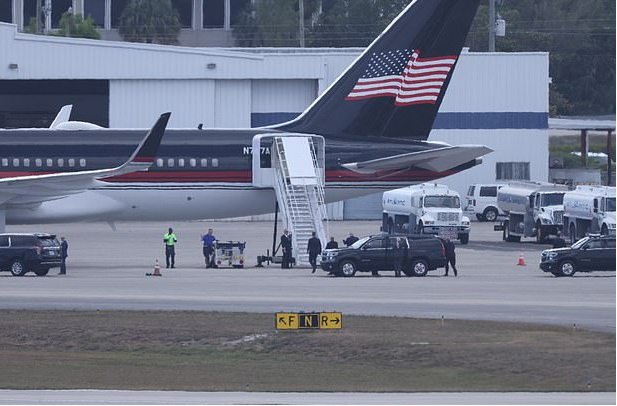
348, 268
464, 238
567, 268
490, 214
18, 268
41, 272
418, 267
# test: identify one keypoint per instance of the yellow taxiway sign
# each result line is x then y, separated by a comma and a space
309, 321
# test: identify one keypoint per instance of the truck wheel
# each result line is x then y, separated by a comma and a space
464, 238
18, 268
41, 272
604, 230
418, 267
567, 268
539, 236
490, 214
348, 268
507, 236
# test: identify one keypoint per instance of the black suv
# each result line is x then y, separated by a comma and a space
375, 253
592, 253
22, 253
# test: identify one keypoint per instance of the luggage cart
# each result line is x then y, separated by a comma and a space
229, 254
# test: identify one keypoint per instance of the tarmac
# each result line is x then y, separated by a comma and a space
106, 270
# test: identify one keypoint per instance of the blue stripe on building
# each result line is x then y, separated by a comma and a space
444, 121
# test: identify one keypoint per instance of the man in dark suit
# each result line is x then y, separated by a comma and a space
350, 240
286, 247
331, 244
313, 249
64, 252
450, 255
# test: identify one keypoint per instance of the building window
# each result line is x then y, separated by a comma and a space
59, 7
6, 11
71, 162
82, 162
29, 7
512, 171
96, 10
185, 10
117, 7
214, 13
237, 7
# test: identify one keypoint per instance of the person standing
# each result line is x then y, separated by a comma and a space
170, 241
450, 256
209, 241
286, 247
331, 244
313, 249
350, 240
64, 252
400, 255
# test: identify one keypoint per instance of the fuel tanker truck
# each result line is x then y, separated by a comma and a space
534, 209
428, 208
589, 210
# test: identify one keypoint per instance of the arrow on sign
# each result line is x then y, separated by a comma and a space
282, 320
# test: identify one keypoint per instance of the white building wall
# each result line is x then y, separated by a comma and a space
282, 95
232, 108
138, 103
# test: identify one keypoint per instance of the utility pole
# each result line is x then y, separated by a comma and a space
301, 12
39, 12
491, 25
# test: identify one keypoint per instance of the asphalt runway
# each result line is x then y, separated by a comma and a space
106, 270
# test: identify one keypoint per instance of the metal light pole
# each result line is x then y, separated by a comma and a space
301, 12
491, 25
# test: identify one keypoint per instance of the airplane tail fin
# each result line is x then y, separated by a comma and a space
395, 87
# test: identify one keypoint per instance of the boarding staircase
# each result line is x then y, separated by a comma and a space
299, 186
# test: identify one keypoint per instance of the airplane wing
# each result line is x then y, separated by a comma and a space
438, 160
39, 188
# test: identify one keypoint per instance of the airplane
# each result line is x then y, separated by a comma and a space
374, 119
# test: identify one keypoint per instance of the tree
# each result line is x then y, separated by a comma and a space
150, 21
76, 26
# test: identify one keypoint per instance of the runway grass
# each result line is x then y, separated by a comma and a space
241, 351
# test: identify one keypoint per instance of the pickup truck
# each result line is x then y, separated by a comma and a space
375, 253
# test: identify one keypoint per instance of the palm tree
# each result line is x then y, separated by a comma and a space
151, 21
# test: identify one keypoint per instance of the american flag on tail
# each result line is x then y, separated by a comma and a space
402, 74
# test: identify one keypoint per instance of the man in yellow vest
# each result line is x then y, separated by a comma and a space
170, 241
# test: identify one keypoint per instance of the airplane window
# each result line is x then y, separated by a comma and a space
204, 162
38, 162
170, 162
159, 163
215, 162
60, 162
26, 161
193, 162
71, 162
49, 162
82, 162
5, 162
181, 162
15, 161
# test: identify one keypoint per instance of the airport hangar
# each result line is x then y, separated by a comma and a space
495, 99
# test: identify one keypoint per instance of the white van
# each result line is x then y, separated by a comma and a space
482, 201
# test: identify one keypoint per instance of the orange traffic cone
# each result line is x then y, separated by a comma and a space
521, 260
157, 269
